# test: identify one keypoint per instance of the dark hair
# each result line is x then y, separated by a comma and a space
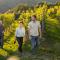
21, 22
34, 16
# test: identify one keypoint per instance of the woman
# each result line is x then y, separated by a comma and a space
19, 34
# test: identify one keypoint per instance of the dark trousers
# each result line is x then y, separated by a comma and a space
20, 42
1, 41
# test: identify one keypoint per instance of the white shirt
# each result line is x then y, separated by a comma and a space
20, 32
33, 28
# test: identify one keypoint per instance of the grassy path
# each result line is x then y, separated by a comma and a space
10, 50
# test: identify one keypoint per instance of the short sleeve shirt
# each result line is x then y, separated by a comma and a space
33, 28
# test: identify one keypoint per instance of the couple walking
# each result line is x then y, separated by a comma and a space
34, 31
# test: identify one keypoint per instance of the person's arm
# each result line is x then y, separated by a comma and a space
24, 31
3, 29
15, 40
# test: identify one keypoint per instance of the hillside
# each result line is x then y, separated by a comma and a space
6, 4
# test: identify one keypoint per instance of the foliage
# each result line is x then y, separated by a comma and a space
50, 16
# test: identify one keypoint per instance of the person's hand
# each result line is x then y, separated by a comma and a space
40, 36
2, 32
15, 41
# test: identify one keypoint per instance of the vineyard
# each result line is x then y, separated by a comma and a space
49, 17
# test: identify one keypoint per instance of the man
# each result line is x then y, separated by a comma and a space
34, 31
1, 34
